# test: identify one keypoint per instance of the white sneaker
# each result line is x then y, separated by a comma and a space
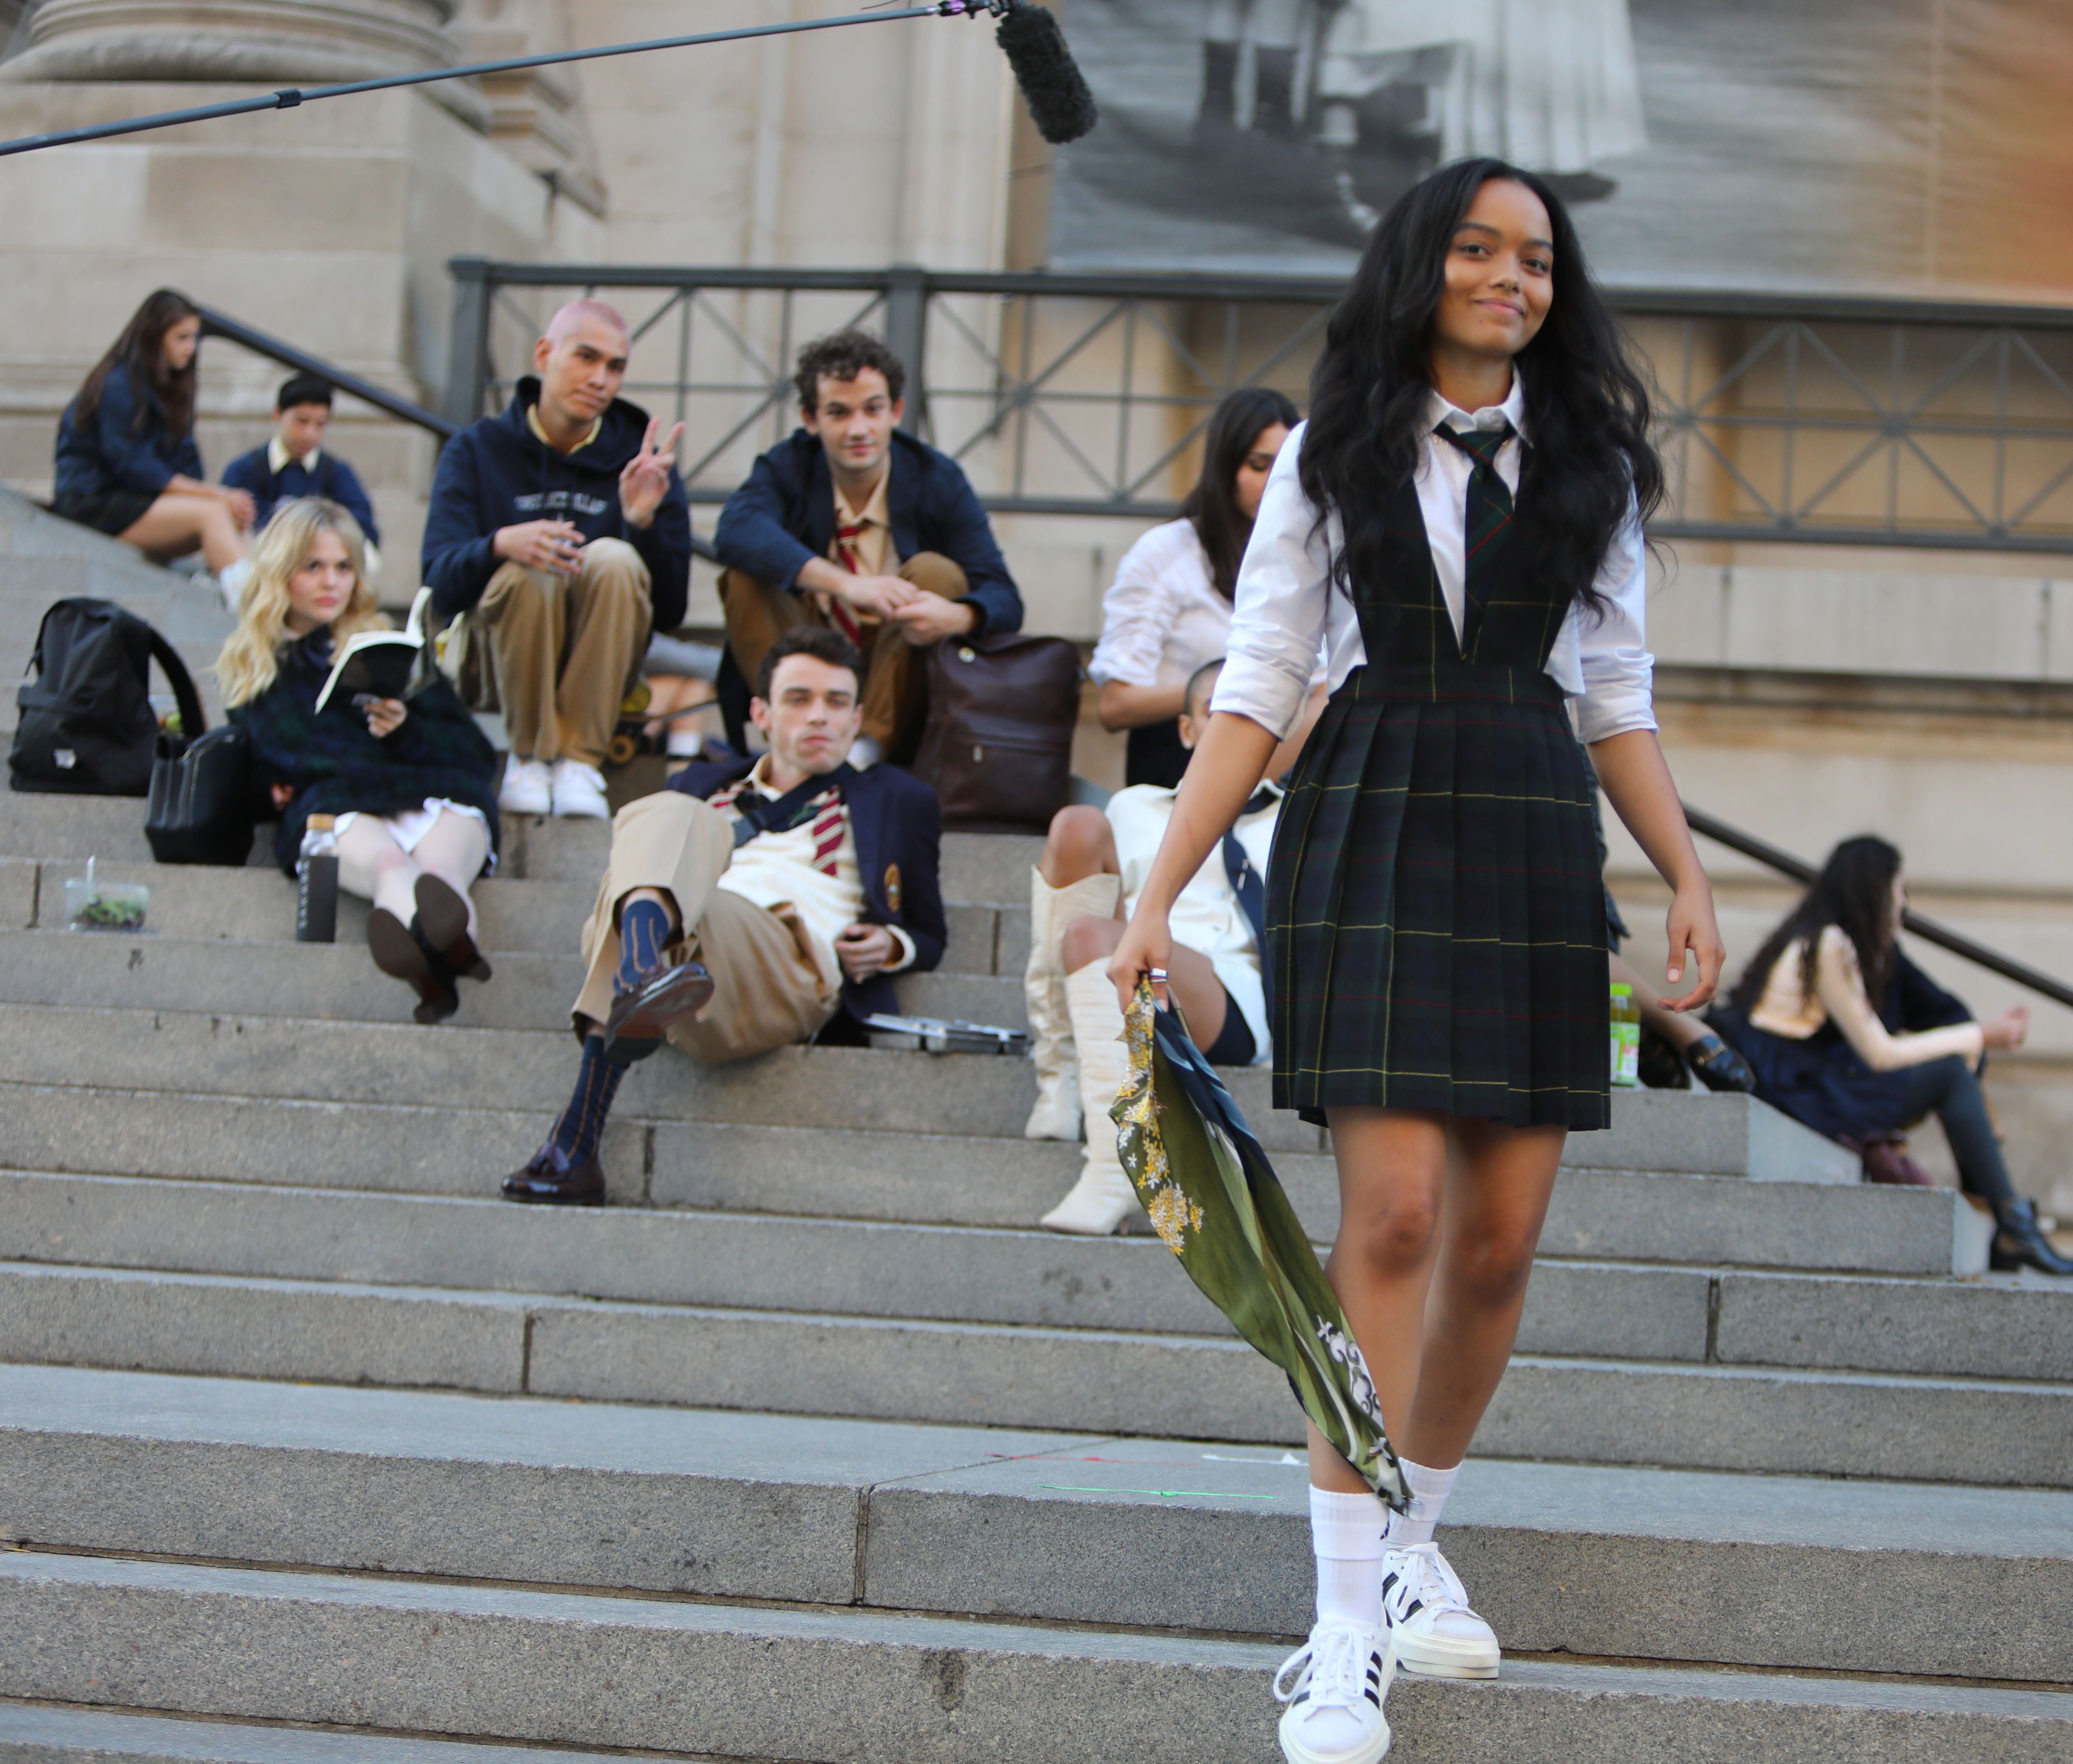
1334, 1714
1436, 1635
579, 790
527, 787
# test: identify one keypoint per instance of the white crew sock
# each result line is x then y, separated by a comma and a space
1346, 1531
1429, 1489
232, 580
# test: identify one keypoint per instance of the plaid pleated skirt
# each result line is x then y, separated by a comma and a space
1436, 911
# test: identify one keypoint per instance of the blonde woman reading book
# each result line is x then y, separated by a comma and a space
412, 782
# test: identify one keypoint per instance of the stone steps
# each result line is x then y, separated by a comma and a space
840, 1089
51, 1734
917, 1178
257, 905
2004, 1326
766, 1682
705, 1504
1790, 1420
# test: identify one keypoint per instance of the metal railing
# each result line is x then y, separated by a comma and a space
1815, 419
221, 324
1930, 930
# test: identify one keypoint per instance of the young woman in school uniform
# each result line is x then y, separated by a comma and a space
412, 785
1460, 522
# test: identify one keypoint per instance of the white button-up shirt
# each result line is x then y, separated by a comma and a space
1162, 618
1286, 602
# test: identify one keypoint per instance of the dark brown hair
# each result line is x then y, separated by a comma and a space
139, 353
843, 355
1212, 506
822, 642
1853, 890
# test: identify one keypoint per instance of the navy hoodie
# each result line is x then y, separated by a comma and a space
497, 473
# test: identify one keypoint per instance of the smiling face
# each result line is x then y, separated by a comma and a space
1500, 274
320, 585
811, 717
855, 419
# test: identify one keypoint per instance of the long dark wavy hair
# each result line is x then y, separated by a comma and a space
1586, 405
139, 352
1212, 506
1855, 891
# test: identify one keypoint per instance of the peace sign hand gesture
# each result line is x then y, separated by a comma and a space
645, 481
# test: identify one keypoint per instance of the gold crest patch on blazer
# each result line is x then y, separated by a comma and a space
892, 887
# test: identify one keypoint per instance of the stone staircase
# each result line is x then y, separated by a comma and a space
808, 1447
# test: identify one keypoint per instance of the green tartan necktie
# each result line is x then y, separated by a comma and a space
1486, 519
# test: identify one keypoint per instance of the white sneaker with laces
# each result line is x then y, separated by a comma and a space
1341, 1679
579, 790
1426, 1611
527, 787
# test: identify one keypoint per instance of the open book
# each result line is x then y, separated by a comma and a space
383, 664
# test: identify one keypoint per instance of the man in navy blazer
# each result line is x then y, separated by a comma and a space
853, 523
745, 905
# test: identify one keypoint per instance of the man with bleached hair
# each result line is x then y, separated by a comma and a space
559, 535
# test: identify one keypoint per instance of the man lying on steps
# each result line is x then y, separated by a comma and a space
745, 903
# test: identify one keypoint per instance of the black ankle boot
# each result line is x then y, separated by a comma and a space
1218, 114
2020, 1242
1274, 91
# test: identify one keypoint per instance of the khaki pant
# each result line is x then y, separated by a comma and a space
896, 678
767, 992
559, 655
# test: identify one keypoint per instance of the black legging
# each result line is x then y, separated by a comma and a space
1949, 1089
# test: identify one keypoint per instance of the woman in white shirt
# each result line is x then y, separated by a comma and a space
1460, 520
1850, 1037
1169, 609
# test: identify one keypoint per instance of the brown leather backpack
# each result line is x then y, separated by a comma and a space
998, 745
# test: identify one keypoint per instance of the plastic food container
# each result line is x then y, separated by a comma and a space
92, 904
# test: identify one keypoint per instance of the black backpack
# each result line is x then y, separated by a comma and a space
87, 729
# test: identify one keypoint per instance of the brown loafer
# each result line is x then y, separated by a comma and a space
549, 1180
660, 997
399, 953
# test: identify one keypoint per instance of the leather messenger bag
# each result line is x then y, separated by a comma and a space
998, 745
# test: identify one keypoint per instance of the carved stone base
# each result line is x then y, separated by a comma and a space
273, 42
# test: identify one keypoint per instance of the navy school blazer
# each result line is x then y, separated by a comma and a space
898, 832
784, 515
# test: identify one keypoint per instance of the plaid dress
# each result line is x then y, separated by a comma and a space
1435, 912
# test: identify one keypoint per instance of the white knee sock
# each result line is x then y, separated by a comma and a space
1346, 1531
1429, 1489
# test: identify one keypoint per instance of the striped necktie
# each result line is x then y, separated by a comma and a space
1486, 518
847, 533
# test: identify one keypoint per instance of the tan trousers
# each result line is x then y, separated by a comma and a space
767, 992
896, 678
561, 653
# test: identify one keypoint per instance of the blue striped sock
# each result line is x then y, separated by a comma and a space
644, 934
583, 1121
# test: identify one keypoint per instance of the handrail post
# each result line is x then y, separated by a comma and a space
906, 335
467, 341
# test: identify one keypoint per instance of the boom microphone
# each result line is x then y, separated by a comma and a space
1060, 104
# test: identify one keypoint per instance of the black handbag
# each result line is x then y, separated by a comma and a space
201, 806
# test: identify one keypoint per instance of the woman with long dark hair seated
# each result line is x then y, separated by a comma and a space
127, 463
1169, 611
1848, 1036
412, 783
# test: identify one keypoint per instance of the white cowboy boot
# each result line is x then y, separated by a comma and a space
1102, 1198
1057, 1114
